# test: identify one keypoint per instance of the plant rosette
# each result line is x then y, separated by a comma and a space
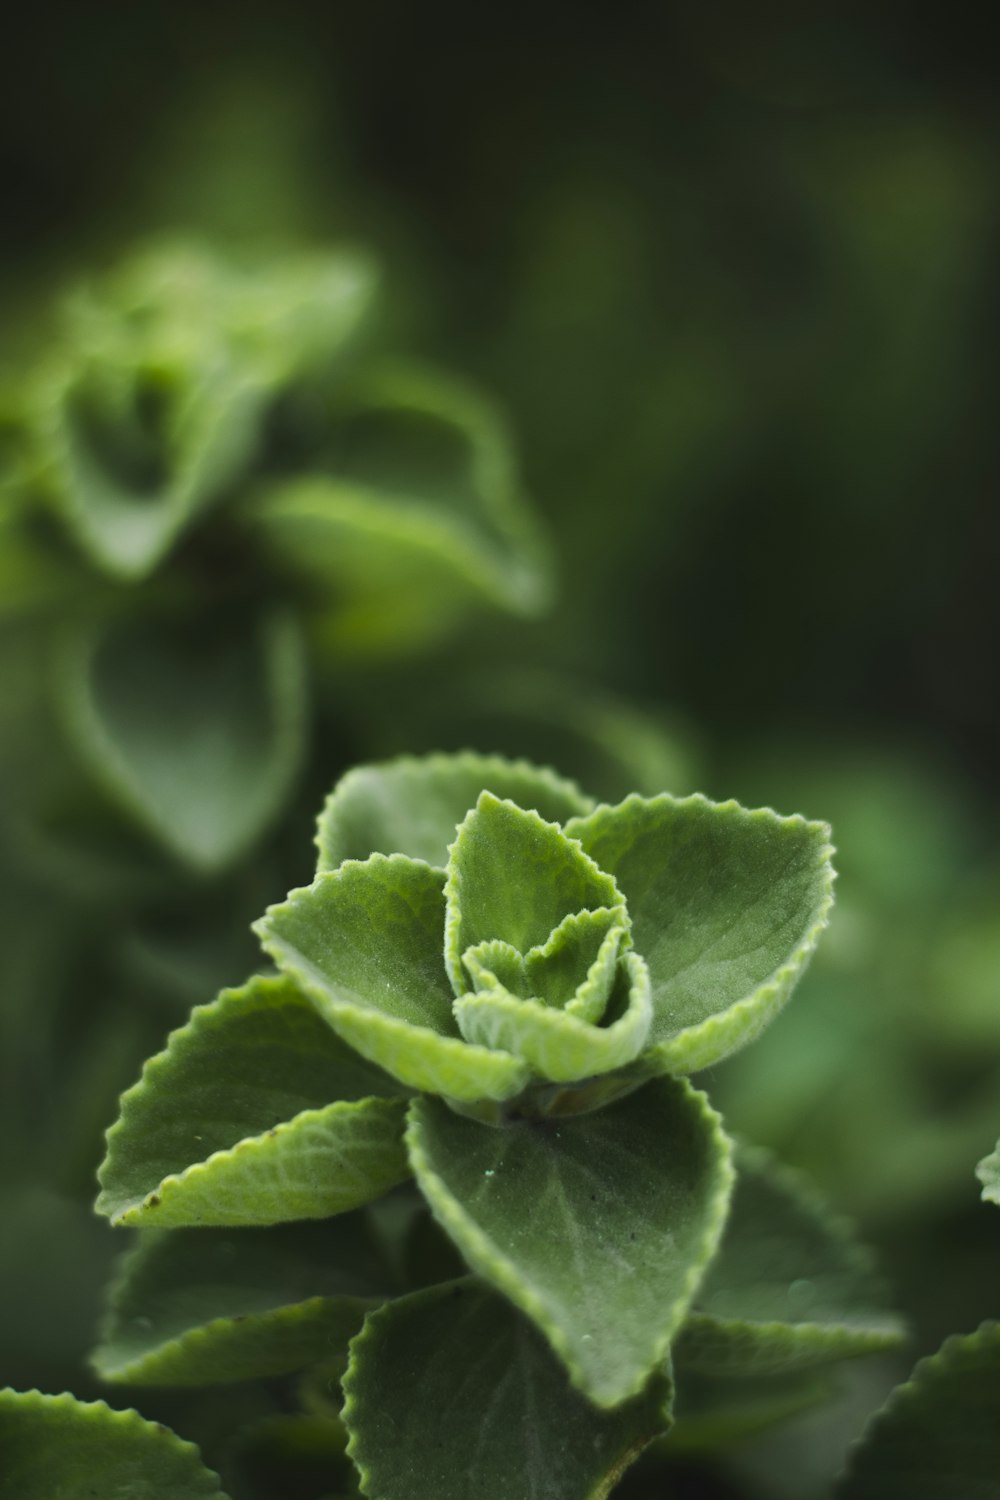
497, 987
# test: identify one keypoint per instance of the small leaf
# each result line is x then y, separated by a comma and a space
789, 1288
364, 943
988, 1172
627, 1205
208, 1306
937, 1435
414, 806
197, 736
557, 1045
451, 1393
726, 906
514, 877
56, 1446
255, 1113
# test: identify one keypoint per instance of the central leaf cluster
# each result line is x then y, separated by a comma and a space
538, 947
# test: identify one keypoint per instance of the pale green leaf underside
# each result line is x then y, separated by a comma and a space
727, 906
414, 805
514, 877
555, 1044
790, 1286
256, 1112
988, 1172
451, 1393
58, 1448
208, 1306
937, 1436
365, 944
626, 1209
197, 738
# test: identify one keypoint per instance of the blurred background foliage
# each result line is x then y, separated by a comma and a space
615, 390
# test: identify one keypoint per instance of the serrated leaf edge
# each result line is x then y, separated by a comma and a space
501, 1275
443, 760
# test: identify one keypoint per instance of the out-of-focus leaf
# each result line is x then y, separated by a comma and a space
450, 1392
988, 1172
198, 735
937, 1435
207, 1306
57, 1446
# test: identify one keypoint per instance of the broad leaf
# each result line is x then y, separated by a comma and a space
938, 1434
988, 1172
726, 906
599, 1227
557, 1045
716, 1411
197, 736
207, 1306
514, 877
255, 1113
365, 944
414, 805
450, 1392
58, 1448
790, 1287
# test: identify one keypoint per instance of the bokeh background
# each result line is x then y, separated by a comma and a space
729, 273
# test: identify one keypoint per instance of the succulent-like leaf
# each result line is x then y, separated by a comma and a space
988, 1172
514, 877
790, 1286
56, 1446
599, 1227
556, 1044
450, 1392
207, 1306
364, 942
726, 906
256, 1112
938, 1434
715, 1411
414, 805
197, 737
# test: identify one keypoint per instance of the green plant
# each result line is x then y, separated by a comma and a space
497, 988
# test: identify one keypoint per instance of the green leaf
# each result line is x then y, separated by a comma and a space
410, 515
938, 1434
716, 1411
207, 1306
255, 1113
197, 736
58, 1448
726, 906
514, 877
364, 943
988, 1172
573, 971
414, 805
451, 1393
557, 1045
790, 1286
599, 1227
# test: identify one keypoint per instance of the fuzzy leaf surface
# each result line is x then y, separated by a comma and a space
727, 906
937, 1435
789, 1288
197, 737
451, 1392
513, 877
557, 1045
207, 1306
627, 1206
255, 1113
364, 942
414, 805
988, 1172
58, 1448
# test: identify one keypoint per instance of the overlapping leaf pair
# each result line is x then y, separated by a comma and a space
497, 987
